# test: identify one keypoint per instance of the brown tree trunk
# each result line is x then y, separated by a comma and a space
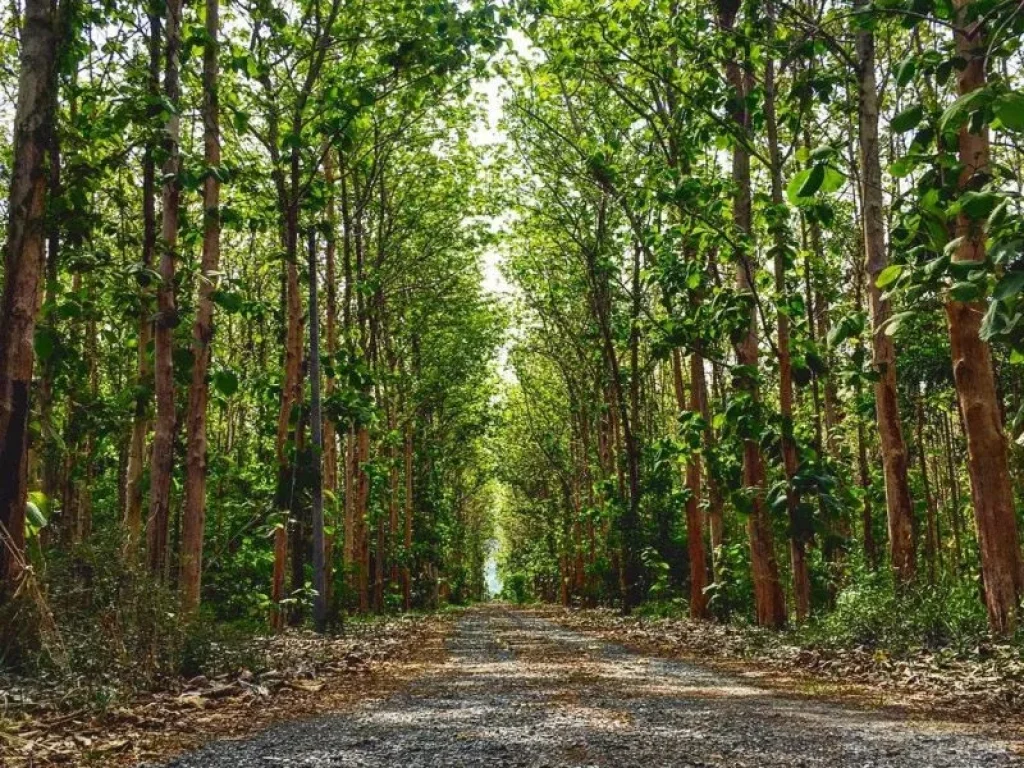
890, 431
716, 514
987, 461
407, 541
392, 537
931, 544
193, 520
140, 420
163, 349
798, 529
361, 514
349, 523
954, 492
317, 533
770, 603
694, 526
23, 265
864, 473
330, 455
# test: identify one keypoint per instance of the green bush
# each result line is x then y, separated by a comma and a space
873, 612
516, 588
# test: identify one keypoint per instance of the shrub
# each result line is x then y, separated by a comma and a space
873, 612
516, 588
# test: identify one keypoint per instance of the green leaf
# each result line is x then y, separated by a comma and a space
229, 301
901, 167
961, 109
795, 184
964, 291
44, 342
225, 382
892, 327
908, 119
978, 205
822, 154
834, 180
905, 72
813, 182
1009, 109
34, 515
993, 323
1009, 285
889, 275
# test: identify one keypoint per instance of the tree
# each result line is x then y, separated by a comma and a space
770, 602
167, 317
23, 265
194, 512
894, 451
991, 491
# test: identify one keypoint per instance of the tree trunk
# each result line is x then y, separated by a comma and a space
890, 431
863, 472
193, 519
694, 527
629, 573
954, 492
407, 540
166, 320
143, 395
770, 603
319, 552
931, 543
330, 436
987, 462
26, 235
799, 530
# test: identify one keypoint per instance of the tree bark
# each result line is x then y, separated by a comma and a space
890, 430
315, 418
144, 380
799, 532
770, 603
193, 518
931, 543
629, 573
694, 526
166, 320
23, 265
330, 437
987, 459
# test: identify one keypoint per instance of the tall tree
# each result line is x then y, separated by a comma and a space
991, 489
193, 519
144, 378
768, 595
890, 431
167, 317
316, 423
23, 266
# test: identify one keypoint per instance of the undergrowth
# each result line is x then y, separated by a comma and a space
872, 612
114, 630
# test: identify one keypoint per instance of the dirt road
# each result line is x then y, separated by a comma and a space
516, 690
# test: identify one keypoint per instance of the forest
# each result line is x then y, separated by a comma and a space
325, 310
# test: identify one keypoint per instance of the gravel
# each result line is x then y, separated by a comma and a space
517, 690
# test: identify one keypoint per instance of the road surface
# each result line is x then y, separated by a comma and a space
516, 690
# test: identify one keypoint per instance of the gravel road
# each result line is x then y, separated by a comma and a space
516, 690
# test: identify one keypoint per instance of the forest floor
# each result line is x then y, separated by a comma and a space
295, 674
983, 684
515, 688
